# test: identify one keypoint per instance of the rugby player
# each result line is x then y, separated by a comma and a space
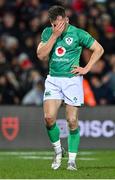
61, 45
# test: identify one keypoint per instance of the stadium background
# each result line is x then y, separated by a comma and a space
22, 78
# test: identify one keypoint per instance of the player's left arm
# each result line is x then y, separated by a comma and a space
97, 52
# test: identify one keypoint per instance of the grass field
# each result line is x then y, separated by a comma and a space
36, 164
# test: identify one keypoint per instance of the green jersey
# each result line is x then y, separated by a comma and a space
66, 50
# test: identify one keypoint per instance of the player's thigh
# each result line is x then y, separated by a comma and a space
51, 107
72, 116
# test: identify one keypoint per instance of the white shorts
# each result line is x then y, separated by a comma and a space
68, 89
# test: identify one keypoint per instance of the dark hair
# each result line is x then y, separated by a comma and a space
55, 11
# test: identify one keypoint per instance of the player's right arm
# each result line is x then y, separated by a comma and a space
44, 48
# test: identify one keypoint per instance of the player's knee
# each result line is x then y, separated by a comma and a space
73, 123
49, 120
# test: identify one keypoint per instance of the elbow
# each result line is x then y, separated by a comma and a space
100, 50
40, 56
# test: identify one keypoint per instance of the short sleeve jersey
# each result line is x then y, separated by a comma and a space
67, 50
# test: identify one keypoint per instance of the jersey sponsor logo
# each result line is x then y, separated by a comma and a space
60, 51
69, 40
60, 59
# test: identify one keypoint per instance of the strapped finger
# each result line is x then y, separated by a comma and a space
75, 66
78, 74
74, 71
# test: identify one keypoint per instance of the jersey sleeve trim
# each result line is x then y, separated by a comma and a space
91, 42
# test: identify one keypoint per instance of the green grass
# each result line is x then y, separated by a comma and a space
91, 164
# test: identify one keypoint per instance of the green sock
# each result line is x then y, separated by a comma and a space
73, 141
53, 133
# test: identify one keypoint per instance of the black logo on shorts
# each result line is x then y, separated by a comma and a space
75, 99
48, 93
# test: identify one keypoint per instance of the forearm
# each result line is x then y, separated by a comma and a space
44, 50
96, 55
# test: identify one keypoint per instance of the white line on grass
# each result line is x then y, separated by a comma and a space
15, 153
49, 157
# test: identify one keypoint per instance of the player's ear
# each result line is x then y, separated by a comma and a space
52, 25
67, 20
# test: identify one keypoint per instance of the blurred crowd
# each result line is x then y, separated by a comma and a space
22, 75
